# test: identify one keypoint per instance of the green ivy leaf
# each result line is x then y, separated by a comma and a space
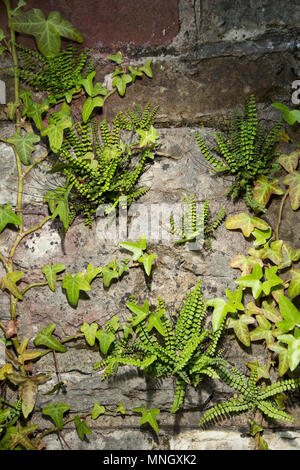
261, 236
56, 413
89, 332
50, 273
108, 275
32, 109
273, 280
146, 68
105, 340
47, 33
290, 116
262, 371
97, 411
148, 137
24, 145
289, 256
92, 272
253, 281
136, 248
9, 282
154, 321
272, 252
293, 181
240, 327
263, 331
121, 408
45, 338
263, 189
120, 83
148, 416
81, 427
147, 262
290, 314
293, 349
294, 287
117, 58
7, 216
89, 105
219, 313
283, 359
73, 285
246, 223
55, 133
141, 312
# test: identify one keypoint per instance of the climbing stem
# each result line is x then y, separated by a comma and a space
280, 214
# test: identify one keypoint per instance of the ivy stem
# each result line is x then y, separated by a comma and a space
280, 214
16, 63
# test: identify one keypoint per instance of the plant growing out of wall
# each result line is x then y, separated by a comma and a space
247, 153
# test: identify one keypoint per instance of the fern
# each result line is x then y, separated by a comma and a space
58, 75
101, 167
253, 397
247, 153
196, 226
185, 350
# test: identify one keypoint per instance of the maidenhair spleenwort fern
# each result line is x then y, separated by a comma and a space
183, 349
101, 167
252, 397
247, 153
196, 225
57, 75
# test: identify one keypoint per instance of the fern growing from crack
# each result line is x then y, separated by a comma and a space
252, 397
184, 350
57, 75
101, 167
247, 153
196, 226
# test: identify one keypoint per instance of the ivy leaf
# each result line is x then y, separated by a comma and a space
7, 216
219, 313
148, 137
29, 390
117, 58
89, 105
270, 312
81, 427
293, 181
283, 359
262, 371
59, 205
293, 349
141, 312
294, 287
108, 275
24, 145
45, 338
246, 223
55, 133
146, 68
148, 416
6, 369
121, 408
9, 282
97, 410
289, 162
290, 314
92, 272
240, 327
289, 256
235, 300
56, 413
113, 323
87, 83
273, 279
32, 109
290, 116
73, 285
261, 236
136, 248
147, 262
105, 340
245, 263
272, 252
120, 83
263, 331
50, 273
154, 321
263, 189
89, 332
47, 33
252, 280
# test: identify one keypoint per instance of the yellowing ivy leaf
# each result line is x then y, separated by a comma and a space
293, 181
294, 287
245, 263
246, 223
9, 282
240, 327
263, 189
289, 162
